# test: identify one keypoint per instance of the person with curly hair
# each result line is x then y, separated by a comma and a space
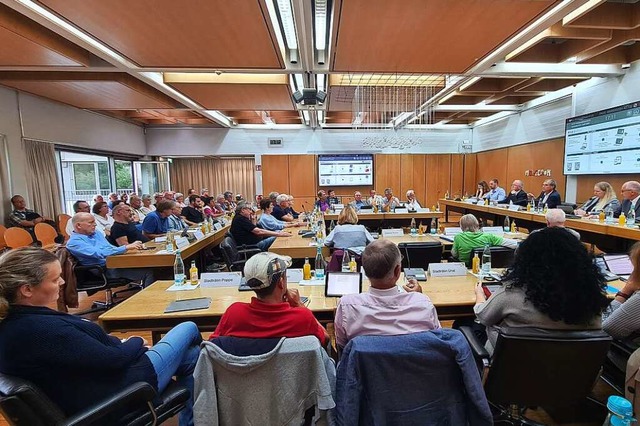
553, 284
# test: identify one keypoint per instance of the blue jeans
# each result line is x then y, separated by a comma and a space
266, 243
176, 354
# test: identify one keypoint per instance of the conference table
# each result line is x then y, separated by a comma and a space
609, 237
386, 220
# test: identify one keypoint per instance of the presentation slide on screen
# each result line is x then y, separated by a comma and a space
604, 142
345, 170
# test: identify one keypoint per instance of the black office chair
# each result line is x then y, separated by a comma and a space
539, 368
420, 254
615, 366
501, 257
22, 403
236, 256
568, 208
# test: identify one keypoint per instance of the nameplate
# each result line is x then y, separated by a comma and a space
423, 210
514, 207
452, 231
470, 201
220, 279
338, 206
496, 230
480, 202
294, 275
182, 242
394, 232
217, 226
398, 210
452, 269
198, 234
160, 239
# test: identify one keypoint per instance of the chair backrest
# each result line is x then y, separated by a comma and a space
3, 243
45, 233
568, 208
22, 403
335, 263
17, 237
229, 251
420, 255
534, 367
427, 375
501, 257
63, 219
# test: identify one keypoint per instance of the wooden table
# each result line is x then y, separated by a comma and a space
153, 259
452, 296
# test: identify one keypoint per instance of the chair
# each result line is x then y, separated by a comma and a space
236, 256
46, 234
22, 403
568, 208
539, 368
501, 257
409, 379
335, 262
17, 237
420, 255
3, 243
63, 219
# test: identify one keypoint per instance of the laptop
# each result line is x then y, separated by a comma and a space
619, 264
337, 284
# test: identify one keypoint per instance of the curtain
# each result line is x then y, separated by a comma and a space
217, 174
5, 186
42, 179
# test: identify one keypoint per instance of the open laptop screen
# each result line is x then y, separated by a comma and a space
340, 283
619, 264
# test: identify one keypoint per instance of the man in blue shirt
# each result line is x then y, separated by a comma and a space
358, 202
496, 194
92, 248
156, 223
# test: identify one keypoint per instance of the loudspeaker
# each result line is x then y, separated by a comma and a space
297, 97
321, 96
309, 97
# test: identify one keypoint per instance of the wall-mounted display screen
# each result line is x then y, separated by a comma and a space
345, 170
603, 142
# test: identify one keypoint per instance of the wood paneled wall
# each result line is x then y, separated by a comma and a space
586, 183
429, 175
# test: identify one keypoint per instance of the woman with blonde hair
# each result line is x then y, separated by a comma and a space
348, 234
604, 196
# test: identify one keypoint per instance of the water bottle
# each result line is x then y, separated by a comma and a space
507, 224
434, 228
332, 225
320, 264
169, 243
486, 260
414, 231
546, 208
540, 206
178, 270
631, 217
608, 213
346, 267
620, 412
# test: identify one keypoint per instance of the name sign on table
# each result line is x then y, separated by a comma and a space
294, 275
220, 279
452, 231
471, 201
198, 234
394, 232
451, 269
217, 226
401, 210
514, 207
496, 230
182, 242
338, 206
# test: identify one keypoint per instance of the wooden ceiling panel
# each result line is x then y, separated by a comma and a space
610, 15
492, 85
511, 100
257, 97
161, 117
168, 33
463, 100
550, 84
424, 36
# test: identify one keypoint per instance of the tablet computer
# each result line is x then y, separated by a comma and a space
337, 284
188, 305
619, 264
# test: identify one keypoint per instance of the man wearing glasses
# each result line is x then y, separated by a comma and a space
124, 230
245, 231
631, 197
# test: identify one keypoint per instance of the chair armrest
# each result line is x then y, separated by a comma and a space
90, 268
477, 348
248, 251
138, 393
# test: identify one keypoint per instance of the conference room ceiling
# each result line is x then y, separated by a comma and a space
382, 64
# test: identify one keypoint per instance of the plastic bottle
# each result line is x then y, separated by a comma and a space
169, 243
475, 264
178, 270
486, 260
532, 205
540, 206
513, 228
320, 264
193, 273
306, 269
528, 207
420, 229
414, 231
631, 217
332, 226
345, 261
486, 201
608, 213
353, 265
507, 224
434, 228
546, 208
446, 195
622, 219
438, 206
601, 216
620, 412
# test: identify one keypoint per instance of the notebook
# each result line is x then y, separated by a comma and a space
188, 305
338, 284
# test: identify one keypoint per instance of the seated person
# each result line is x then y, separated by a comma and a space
92, 248
72, 360
630, 199
26, 219
348, 234
331, 197
412, 201
191, 214
147, 207
104, 221
549, 196
389, 202
622, 318
472, 237
156, 223
557, 218
80, 206
245, 231
179, 199
229, 201
517, 195
175, 223
383, 310
358, 202
280, 209
496, 193
268, 221
136, 207
553, 284
322, 203
482, 191
604, 196
211, 208
276, 311
290, 210
374, 200
124, 230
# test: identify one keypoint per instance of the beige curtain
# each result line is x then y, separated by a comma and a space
42, 179
5, 187
217, 174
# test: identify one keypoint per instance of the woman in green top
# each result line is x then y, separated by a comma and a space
472, 237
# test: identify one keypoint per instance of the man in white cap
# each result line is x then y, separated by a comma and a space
276, 311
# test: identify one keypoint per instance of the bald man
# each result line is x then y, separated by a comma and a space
630, 199
556, 218
517, 194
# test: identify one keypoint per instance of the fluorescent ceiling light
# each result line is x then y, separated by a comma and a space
320, 79
321, 24
299, 81
386, 80
321, 116
447, 97
224, 78
305, 114
400, 117
288, 24
525, 46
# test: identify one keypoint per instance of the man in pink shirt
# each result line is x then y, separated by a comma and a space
386, 309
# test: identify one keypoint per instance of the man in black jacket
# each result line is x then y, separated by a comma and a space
517, 194
549, 196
